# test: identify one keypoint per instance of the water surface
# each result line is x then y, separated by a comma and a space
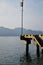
12, 52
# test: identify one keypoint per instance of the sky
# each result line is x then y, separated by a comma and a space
10, 14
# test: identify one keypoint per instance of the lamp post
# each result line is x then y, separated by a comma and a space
22, 17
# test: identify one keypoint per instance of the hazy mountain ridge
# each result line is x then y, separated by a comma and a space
16, 32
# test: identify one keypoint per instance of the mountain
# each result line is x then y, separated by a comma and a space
16, 32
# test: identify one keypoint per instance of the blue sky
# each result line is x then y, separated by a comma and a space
10, 14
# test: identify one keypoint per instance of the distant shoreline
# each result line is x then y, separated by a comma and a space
17, 31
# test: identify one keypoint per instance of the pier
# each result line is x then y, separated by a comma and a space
37, 39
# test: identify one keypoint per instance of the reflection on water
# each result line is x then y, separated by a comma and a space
24, 60
29, 61
12, 52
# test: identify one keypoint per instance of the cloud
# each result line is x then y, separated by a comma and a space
10, 14
33, 14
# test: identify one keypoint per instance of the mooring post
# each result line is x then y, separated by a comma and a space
38, 51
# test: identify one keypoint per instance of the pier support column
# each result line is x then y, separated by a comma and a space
42, 52
38, 51
27, 48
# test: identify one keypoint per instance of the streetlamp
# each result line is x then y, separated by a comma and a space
22, 17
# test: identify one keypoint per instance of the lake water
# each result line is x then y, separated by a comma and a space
12, 52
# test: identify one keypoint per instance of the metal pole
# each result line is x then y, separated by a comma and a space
22, 18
